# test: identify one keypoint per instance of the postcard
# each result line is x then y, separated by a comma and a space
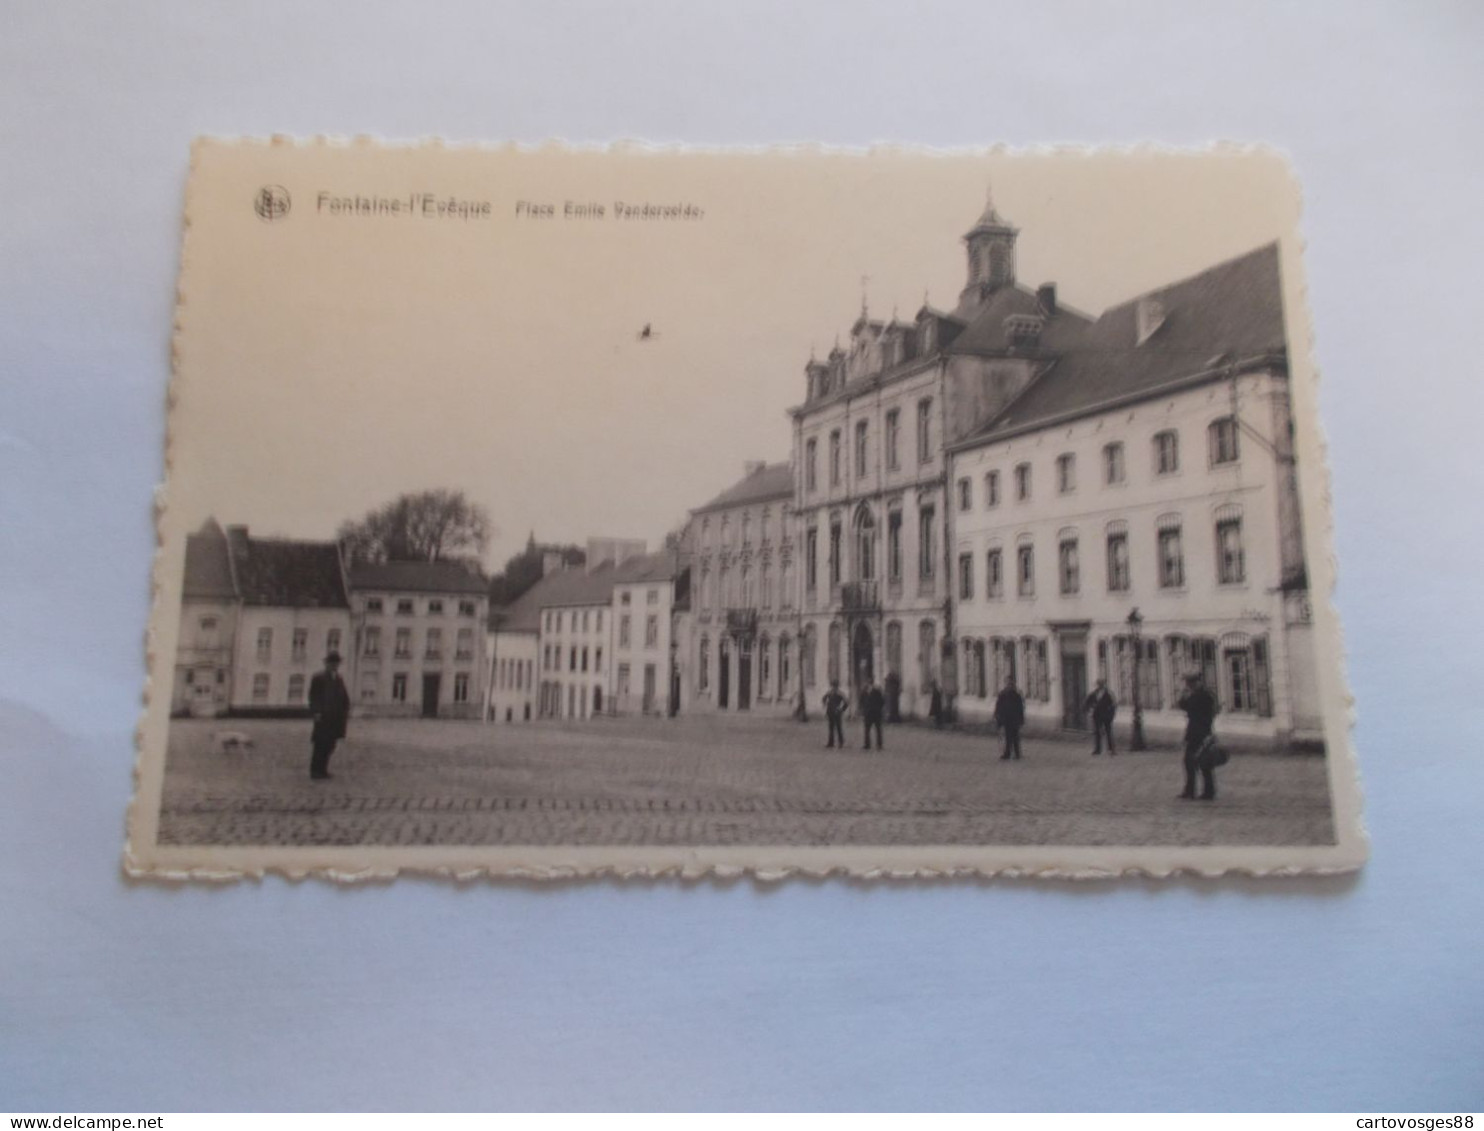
554, 512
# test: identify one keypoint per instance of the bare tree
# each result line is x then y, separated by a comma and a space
427, 526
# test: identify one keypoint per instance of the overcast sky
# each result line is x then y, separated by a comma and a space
329, 363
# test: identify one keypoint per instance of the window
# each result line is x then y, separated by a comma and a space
373, 640
1025, 570
467, 608
299, 644
624, 623
404, 607
784, 680
811, 559
1069, 572
435, 606
991, 489
373, 604
584, 620
572, 658
332, 640
651, 597
966, 577
1171, 555
785, 583
861, 462
893, 439
746, 601
764, 667
260, 687
265, 645
927, 644
296, 688
894, 546
894, 647
1066, 473
559, 619
994, 574
464, 644
832, 658
1118, 566
434, 645
651, 631
1223, 440
399, 687
368, 687
1166, 453
835, 554
1022, 482
1230, 564
598, 617
1036, 668
1113, 470
623, 679
965, 494
625, 598
865, 545
703, 665
206, 632
461, 687
835, 458
926, 537
403, 644
765, 588
924, 430
598, 658
811, 461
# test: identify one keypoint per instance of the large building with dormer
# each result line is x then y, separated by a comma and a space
1132, 515
870, 454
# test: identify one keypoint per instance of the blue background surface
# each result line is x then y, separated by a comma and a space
1352, 994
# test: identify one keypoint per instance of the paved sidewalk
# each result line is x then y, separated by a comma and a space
711, 781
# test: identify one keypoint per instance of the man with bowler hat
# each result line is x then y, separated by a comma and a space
329, 703
873, 707
834, 713
1200, 710
1103, 707
1009, 712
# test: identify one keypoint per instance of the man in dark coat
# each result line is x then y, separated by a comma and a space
1009, 712
834, 713
1103, 707
873, 707
893, 697
329, 703
1200, 709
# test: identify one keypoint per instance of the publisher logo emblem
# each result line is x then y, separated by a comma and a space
272, 202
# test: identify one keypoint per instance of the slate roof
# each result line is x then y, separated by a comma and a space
578, 586
278, 571
208, 565
986, 332
418, 577
1227, 313
772, 481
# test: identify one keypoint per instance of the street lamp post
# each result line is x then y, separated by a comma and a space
1135, 623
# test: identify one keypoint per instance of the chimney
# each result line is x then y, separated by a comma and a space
1046, 296
752, 467
552, 561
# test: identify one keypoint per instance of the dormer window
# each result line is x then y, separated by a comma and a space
927, 336
1149, 316
1024, 330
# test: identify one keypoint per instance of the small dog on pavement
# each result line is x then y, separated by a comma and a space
231, 741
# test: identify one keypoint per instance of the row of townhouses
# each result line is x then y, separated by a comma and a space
1007, 489
259, 615
1012, 489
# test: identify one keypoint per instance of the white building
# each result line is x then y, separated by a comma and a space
1136, 507
744, 608
645, 667
258, 616
420, 629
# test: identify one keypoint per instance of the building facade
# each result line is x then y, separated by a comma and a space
743, 624
258, 616
1133, 516
644, 660
420, 640
871, 470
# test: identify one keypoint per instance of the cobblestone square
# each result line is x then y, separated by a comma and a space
712, 781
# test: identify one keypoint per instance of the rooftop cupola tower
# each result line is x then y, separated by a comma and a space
991, 248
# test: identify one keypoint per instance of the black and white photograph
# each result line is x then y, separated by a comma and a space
555, 512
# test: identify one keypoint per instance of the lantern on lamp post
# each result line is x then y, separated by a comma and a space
1135, 624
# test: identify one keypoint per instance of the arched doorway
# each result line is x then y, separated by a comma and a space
862, 655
